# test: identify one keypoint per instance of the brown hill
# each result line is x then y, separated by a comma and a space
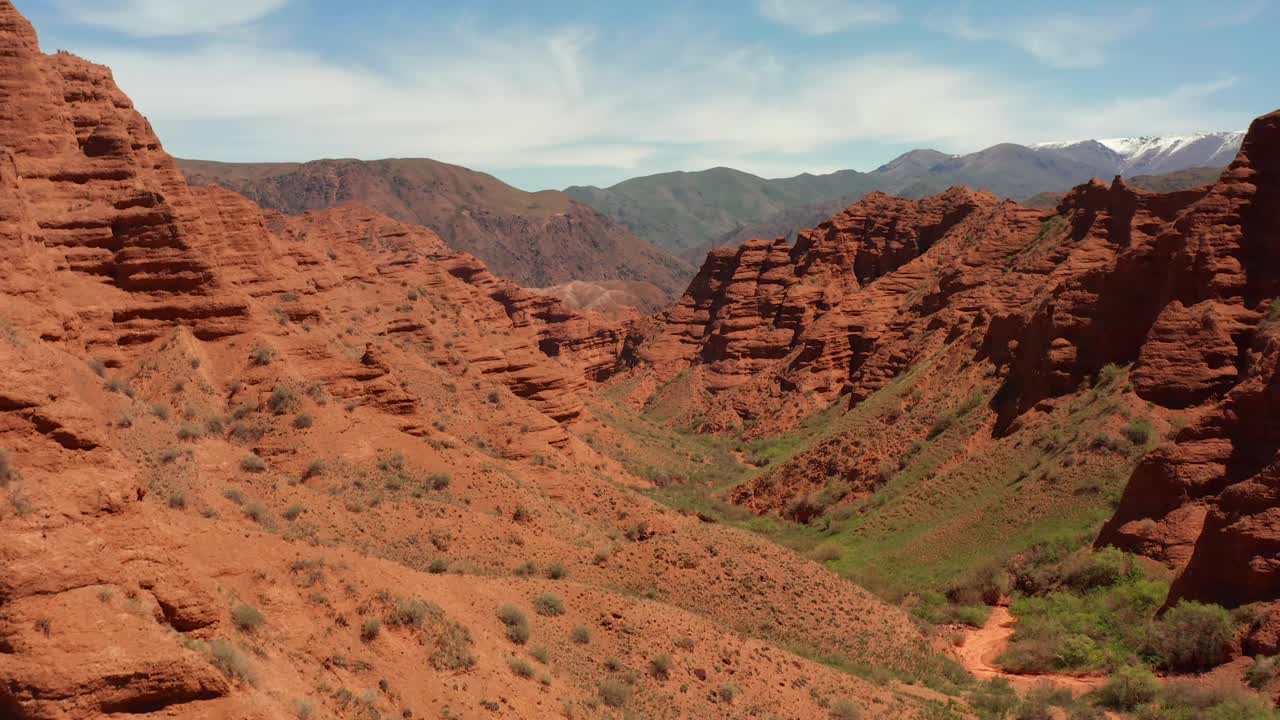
536, 239
259, 466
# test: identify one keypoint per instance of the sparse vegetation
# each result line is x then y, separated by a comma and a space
660, 666
370, 629
247, 618
549, 605
556, 571
847, 710
1193, 636
516, 622
614, 693
253, 464
439, 481
1128, 688
520, 667
282, 400
258, 513
303, 421
581, 635
262, 355
8, 473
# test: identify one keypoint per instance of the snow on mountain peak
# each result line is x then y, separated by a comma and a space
1165, 144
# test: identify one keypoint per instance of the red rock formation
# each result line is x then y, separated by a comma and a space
1207, 502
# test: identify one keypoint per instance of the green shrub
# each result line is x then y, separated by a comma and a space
528, 568
994, 698
303, 421
581, 635
438, 566
987, 585
727, 693
549, 605
224, 656
1193, 636
247, 618
845, 710
262, 355
1138, 431
1128, 688
370, 629
258, 513
282, 400
234, 495
453, 649
293, 512
315, 469
8, 473
520, 667
1200, 700
252, 463
556, 571
439, 480
1264, 669
517, 624
614, 693
661, 665
188, 431
1085, 571
941, 425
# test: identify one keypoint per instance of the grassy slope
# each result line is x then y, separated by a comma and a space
959, 501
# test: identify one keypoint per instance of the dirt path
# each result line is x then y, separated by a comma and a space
982, 646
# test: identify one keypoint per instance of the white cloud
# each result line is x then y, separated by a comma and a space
565, 98
824, 17
1062, 41
155, 18
1225, 15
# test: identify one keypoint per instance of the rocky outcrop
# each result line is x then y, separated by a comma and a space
837, 312
1206, 503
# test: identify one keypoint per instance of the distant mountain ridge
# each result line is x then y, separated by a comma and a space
1157, 154
688, 212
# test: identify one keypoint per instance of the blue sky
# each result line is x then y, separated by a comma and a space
554, 93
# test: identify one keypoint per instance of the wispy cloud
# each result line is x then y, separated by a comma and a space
574, 97
1222, 15
1060, 40
155, 18
824, 17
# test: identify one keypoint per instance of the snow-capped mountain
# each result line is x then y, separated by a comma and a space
1153, 154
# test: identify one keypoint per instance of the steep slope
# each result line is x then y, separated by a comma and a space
259, 466
535, 239
976, 352
691, 212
